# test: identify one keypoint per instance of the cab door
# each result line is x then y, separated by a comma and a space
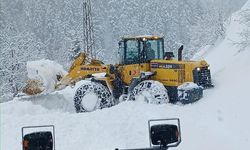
131, 64
131, 67
133, 60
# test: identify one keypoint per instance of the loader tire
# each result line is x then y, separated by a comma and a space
153, 92
91, 96
189, 92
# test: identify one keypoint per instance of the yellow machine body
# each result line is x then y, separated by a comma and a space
169, 72
80, 70
174, 72
128, 72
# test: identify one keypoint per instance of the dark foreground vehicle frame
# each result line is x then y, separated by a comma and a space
38, 140
162, 136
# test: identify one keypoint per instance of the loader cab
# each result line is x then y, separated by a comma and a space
141, 49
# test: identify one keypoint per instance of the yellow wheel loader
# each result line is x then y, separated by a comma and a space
144, 69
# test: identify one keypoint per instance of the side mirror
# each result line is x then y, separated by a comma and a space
165, 135
38, 137
168, 55
38, 141
121, 44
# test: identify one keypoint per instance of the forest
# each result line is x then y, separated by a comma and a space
37, 29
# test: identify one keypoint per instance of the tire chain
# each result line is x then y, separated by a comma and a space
104, 96
158, 91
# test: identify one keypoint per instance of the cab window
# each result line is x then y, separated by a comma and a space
154, 49
131, 52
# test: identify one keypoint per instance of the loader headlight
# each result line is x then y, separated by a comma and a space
208, 68
198, 69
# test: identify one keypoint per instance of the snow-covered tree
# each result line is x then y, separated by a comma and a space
75, 50
16, 48
35, 29
245, 34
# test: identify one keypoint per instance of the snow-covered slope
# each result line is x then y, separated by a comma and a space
219, 121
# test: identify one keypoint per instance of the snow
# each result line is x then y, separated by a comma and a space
99, 75
89, 101
141, 36
219, 121
147, 73
45, 70
187, 86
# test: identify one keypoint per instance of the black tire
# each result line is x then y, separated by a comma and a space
99, 97
157, 92
189, 92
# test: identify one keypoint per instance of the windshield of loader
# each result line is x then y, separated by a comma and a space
153, 49
141, 50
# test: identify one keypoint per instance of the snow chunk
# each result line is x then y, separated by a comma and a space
187, 86
148, 73
89, 101
99, 75
45, 71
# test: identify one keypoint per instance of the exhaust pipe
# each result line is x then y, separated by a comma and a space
180, 53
